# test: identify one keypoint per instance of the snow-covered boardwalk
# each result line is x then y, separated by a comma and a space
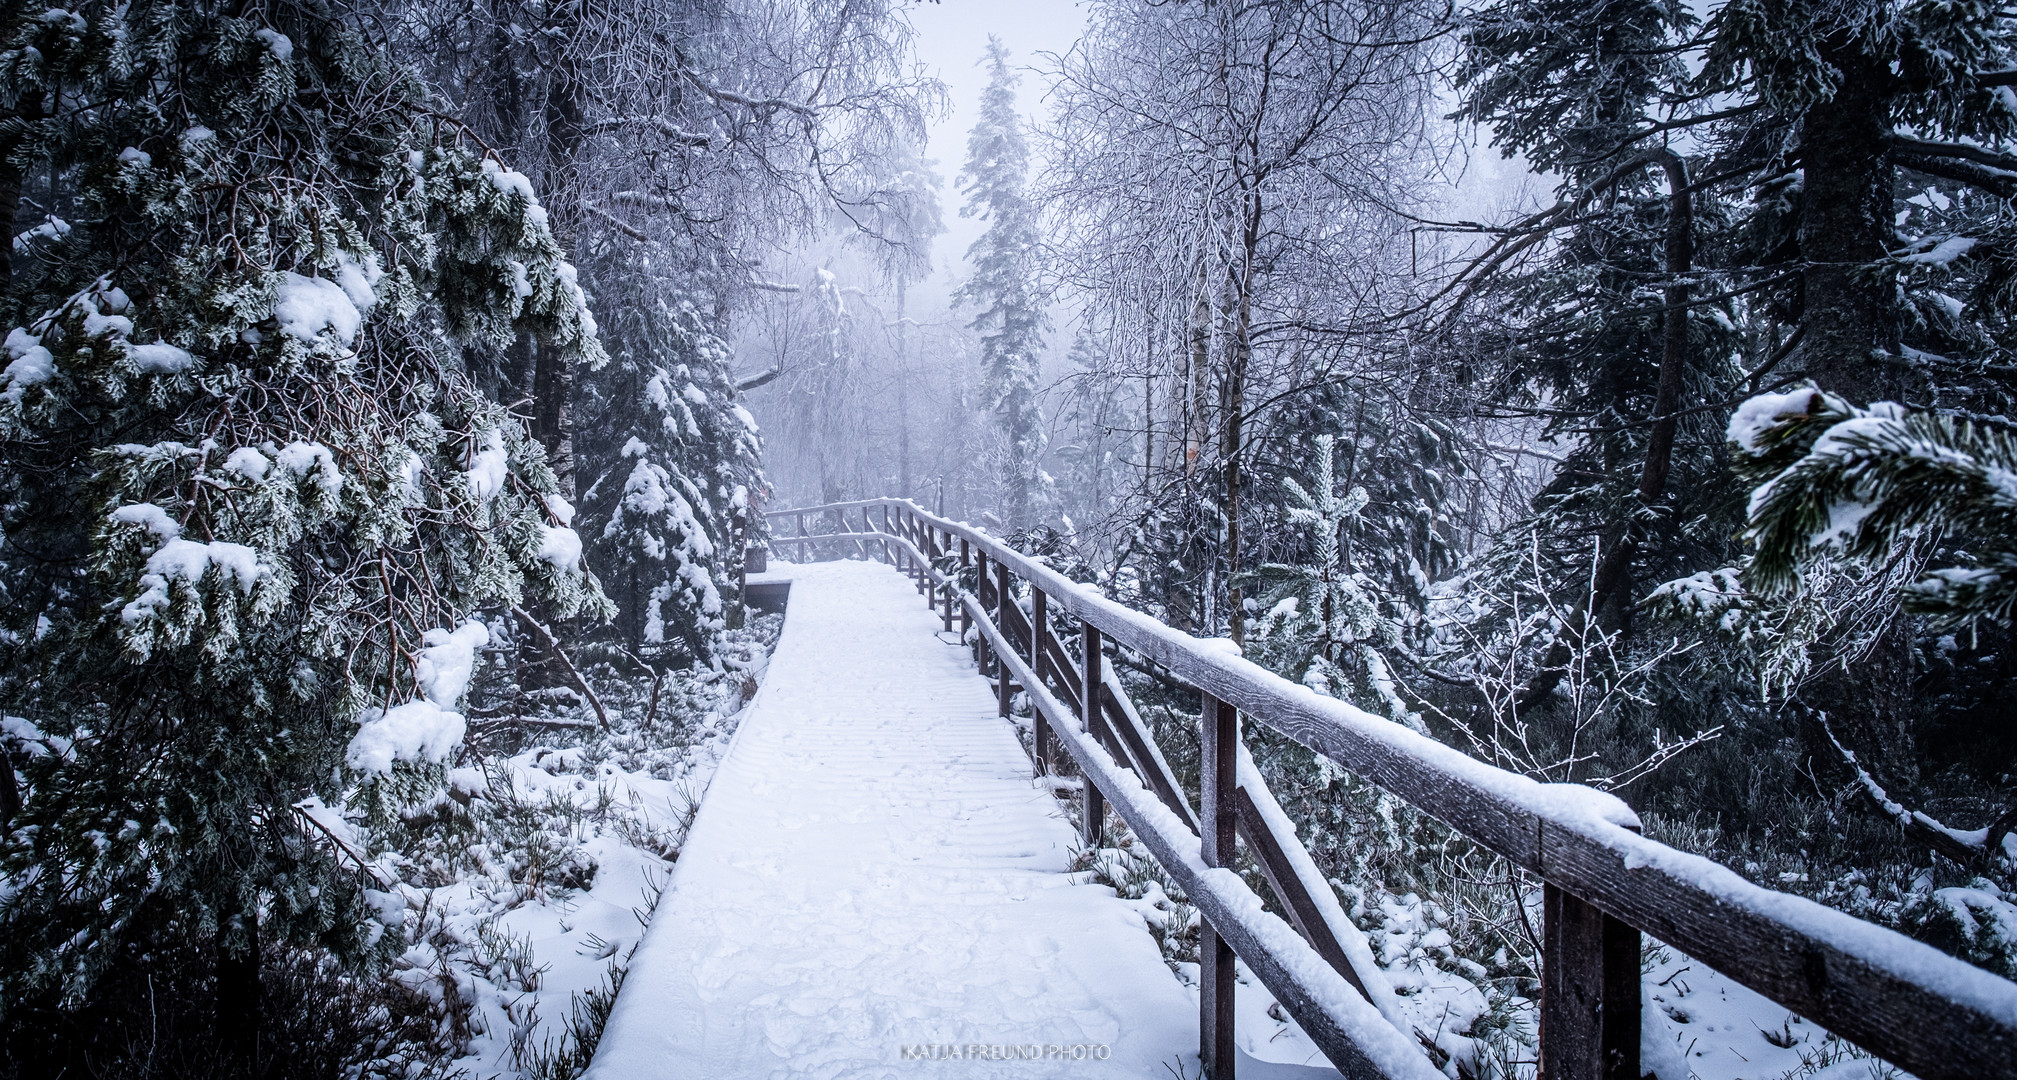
873, 872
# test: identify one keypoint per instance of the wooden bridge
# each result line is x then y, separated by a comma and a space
1605, 884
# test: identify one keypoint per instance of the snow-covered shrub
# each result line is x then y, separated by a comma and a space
249, 493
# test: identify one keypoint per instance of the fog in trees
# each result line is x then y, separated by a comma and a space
1616, 391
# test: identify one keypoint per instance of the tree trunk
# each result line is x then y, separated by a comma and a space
1611, 580
1236, 407
565, 104
1850, 336
1848, 309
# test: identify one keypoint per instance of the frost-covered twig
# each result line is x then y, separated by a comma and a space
1966, 848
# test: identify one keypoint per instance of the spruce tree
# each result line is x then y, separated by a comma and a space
1004, 286
254, 508
674, 479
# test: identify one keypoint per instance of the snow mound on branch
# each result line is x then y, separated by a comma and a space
52, 228
358, 280
561, 547
301, 458
1944, 253
448, 660
516, 183
29, 364
307, 306
487, 467
419, 731
277, 43
248, 463
1762, 413
160, 358
188, 560
149, 516
427, 729
570, 281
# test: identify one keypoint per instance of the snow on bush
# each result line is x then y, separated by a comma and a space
561, 547
1763, 413
418, 731
189, 561
448, 660
248, 463
29, 364
426, 730
302, 458
305, 307
277, 43
160, 358
488, 466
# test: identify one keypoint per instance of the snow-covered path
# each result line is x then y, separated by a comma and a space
873, 870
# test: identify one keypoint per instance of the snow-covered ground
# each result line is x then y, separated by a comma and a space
875, 887
521, 906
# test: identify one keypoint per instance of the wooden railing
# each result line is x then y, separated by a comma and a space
1604, 884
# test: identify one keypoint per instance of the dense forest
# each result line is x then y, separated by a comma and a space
1619, 391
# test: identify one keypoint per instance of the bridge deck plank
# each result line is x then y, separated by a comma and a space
873, 868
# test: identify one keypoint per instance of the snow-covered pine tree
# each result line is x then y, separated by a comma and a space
1004, 286
1603, 325
253, 506
1323, 621
676, 475
1849, 189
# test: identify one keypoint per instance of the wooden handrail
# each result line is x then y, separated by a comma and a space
1900, 999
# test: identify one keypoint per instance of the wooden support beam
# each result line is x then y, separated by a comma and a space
965, 561
1589, 992
1148, 765
1295, 897
1219, 779
1004, 598
1039, 608
1094, 807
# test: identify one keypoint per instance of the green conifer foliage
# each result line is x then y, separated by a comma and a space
248, 493
676, 473
1834, 479
1004, 287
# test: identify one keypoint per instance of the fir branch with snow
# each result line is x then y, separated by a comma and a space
1864, 483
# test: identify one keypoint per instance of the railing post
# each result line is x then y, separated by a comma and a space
1041, 732
1589, 992
1218, 777
1093, 806
980, 588
948, 590
965, 560
1003, 598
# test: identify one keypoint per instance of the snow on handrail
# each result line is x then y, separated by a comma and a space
1903, 1000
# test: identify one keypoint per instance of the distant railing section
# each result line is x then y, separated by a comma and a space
1902, 1000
